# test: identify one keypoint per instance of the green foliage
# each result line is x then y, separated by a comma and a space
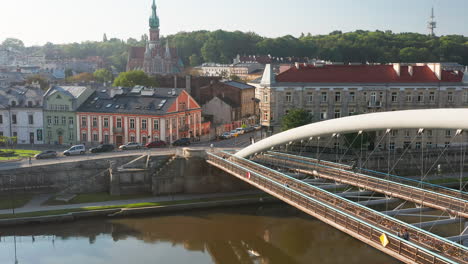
103, 75
295, 118
132, 78
354, 140
68, 73
236, 78
44, 84
82, 77
12, 43
194, 60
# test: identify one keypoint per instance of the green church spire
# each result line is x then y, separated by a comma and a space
154, 19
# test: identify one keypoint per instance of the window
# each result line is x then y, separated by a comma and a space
265, 98
407, 133
407, 145
394, 133
448, 133
1, 133
106, 122
323, 115
429, 133
13, 103
94, 121
70, 121
324, 97
83, 121
465, 97
336, 145
391, 146
447, 144
95, 137
132, 138
132, 124
13, 119
30, 103
70, 135
409, 97
429, 145
31, 119
337, 113
352, 96
64, 120
56, 120
288, 97
352, 111
417, 145
1, 119
420, 97
431, 97
156, 124
373, 97
450, 97
106, 139
144, 124
265, 116
310, 97
394, 97
84, 137
119, 123
337, 97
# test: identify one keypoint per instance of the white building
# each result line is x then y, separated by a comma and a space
226, 70
21, 114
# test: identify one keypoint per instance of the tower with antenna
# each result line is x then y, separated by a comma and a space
432, 24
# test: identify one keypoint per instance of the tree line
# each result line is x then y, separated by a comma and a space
222, 46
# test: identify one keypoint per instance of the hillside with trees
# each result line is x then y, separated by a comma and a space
221, 46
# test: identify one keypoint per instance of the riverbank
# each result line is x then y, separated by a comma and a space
168, 205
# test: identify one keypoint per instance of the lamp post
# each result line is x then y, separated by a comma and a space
12, 194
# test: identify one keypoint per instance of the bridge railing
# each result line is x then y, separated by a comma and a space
439, 201
335, 216
391, 177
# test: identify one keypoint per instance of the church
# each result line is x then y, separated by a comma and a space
155, 58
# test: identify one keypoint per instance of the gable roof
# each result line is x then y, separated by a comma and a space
364, 74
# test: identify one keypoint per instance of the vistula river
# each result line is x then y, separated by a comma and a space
249, 234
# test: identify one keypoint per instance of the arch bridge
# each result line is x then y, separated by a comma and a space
336, 185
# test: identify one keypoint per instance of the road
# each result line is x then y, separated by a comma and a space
234, 143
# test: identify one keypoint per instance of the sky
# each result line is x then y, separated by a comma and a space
37, 22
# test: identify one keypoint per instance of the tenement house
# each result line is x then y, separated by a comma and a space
21, 114
139, 114
334, 91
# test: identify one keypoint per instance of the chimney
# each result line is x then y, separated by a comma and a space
115, 91
436, 68
188, 84
465, 76
410, 70
397, 68
297, 65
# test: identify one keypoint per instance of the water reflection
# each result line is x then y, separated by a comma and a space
247, 235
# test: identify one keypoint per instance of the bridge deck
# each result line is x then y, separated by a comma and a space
358, 221
453, 205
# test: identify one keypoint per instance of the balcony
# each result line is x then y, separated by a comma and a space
374, 104
118, 130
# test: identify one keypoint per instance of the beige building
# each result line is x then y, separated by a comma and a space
334, 91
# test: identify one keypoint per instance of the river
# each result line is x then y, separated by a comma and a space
251, 234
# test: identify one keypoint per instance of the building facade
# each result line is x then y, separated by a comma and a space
154, 58
60, 105
122, 115
334, 91
21, 114
239, 96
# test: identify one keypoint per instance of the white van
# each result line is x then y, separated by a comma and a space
75, 150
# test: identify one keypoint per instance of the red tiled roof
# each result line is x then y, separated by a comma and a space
364, 74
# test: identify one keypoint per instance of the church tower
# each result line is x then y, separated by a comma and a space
154, 24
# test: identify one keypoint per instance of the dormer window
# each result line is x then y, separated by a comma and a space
30, 104
13, 103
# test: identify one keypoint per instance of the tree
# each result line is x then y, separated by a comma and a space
295, 118
68, 73
194, 60
104, 38
235, 78
43, 83
132, 78
82, 77
103, 75
12, 43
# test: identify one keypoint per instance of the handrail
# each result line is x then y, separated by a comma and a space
436, 194
442, 259
418, 231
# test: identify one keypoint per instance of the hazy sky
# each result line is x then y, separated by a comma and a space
64, 21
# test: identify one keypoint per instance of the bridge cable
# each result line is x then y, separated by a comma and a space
326, 145
375, 148
349, 146
404, 152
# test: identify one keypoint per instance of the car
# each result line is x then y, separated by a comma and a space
182, 142
258, 127
102, 148
75, 150
156, 144
249, 129
234, 133
130, 145
46, 154
225, 135
240, 130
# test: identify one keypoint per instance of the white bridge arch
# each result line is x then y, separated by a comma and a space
454, 118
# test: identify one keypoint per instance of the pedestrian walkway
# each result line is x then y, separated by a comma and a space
37, 201
34, 207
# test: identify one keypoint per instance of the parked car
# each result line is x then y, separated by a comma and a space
102, 148
130, 145
46, 154
75, 150
258, 127
182, 142
225, 135
234, 133
240, 130
249, 129
156, 144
